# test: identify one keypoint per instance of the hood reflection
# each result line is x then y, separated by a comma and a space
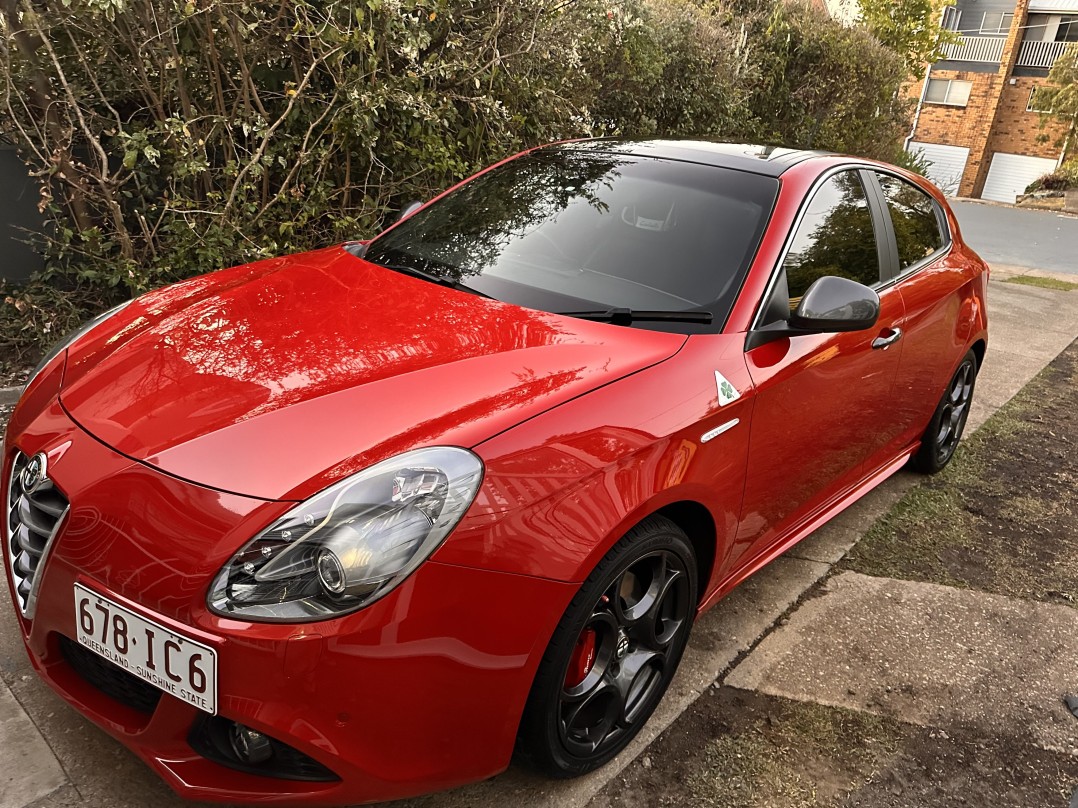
322, 364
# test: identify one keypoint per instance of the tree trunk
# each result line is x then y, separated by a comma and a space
39, 95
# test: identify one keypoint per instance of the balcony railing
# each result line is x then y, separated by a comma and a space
976, 49
1042, 54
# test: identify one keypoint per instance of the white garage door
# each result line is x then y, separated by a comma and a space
1009, 175
946, 163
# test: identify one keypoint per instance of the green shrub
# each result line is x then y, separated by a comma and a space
913, 161
1063, 178
174, 137
824, 85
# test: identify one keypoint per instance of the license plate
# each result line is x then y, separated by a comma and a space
169, 661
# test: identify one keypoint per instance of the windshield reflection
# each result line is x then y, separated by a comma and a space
564, 229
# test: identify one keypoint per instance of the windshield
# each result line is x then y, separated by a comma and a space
566, 231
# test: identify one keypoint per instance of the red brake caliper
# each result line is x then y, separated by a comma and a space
583, 658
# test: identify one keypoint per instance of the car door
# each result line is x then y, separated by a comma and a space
819, 397
937, 296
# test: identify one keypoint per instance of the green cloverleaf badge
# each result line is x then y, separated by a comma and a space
727, 392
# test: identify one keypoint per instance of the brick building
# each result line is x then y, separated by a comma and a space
977, 118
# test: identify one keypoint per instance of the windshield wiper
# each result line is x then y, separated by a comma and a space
405, 269
629, 316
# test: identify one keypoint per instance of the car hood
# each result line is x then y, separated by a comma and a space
275, 379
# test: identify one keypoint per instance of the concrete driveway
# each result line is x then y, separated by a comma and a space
1003, 234
50, 756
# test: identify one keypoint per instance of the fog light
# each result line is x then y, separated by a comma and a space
249, 746
241, 748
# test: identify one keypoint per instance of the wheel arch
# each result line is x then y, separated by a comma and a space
979, 348
699, 525
541, 740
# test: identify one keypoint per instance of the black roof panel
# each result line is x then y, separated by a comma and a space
771, 161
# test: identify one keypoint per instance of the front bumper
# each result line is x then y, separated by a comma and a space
421, 691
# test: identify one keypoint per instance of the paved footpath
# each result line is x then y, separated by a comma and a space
50, 756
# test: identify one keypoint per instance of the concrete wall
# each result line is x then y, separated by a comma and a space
18, 209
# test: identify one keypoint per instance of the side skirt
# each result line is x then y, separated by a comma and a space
805, 528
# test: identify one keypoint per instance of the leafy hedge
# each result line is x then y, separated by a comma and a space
173, 137
1063, 178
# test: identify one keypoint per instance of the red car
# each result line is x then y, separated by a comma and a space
355, 524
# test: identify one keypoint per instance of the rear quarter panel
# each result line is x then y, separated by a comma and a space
945, 316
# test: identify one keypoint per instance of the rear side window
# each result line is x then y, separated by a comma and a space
916, 223
835, 237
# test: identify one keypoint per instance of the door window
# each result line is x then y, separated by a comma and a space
836, 237
913, 215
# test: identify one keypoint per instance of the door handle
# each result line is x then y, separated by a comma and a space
890, 339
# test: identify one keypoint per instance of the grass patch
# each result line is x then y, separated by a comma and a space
998, 518
911, 539
806, 757
1043, 283
742, 749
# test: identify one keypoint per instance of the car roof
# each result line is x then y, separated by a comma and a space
771, 161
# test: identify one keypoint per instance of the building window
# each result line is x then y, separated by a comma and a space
945, 91
1068, 29
996, 22
951, 17
1037, 106
1051, 28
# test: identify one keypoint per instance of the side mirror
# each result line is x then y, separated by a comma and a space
407, 211
836, 304
830, 304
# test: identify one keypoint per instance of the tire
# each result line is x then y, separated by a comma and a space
613, 654
941, 438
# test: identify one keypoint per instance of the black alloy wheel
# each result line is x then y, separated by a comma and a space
949, 420
614, 652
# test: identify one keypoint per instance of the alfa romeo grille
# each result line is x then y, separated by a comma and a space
35, 509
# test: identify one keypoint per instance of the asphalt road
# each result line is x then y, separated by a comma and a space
1001, 234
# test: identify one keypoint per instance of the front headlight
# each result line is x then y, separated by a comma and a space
62, 345
351, 544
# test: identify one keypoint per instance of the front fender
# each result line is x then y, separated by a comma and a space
562, 488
